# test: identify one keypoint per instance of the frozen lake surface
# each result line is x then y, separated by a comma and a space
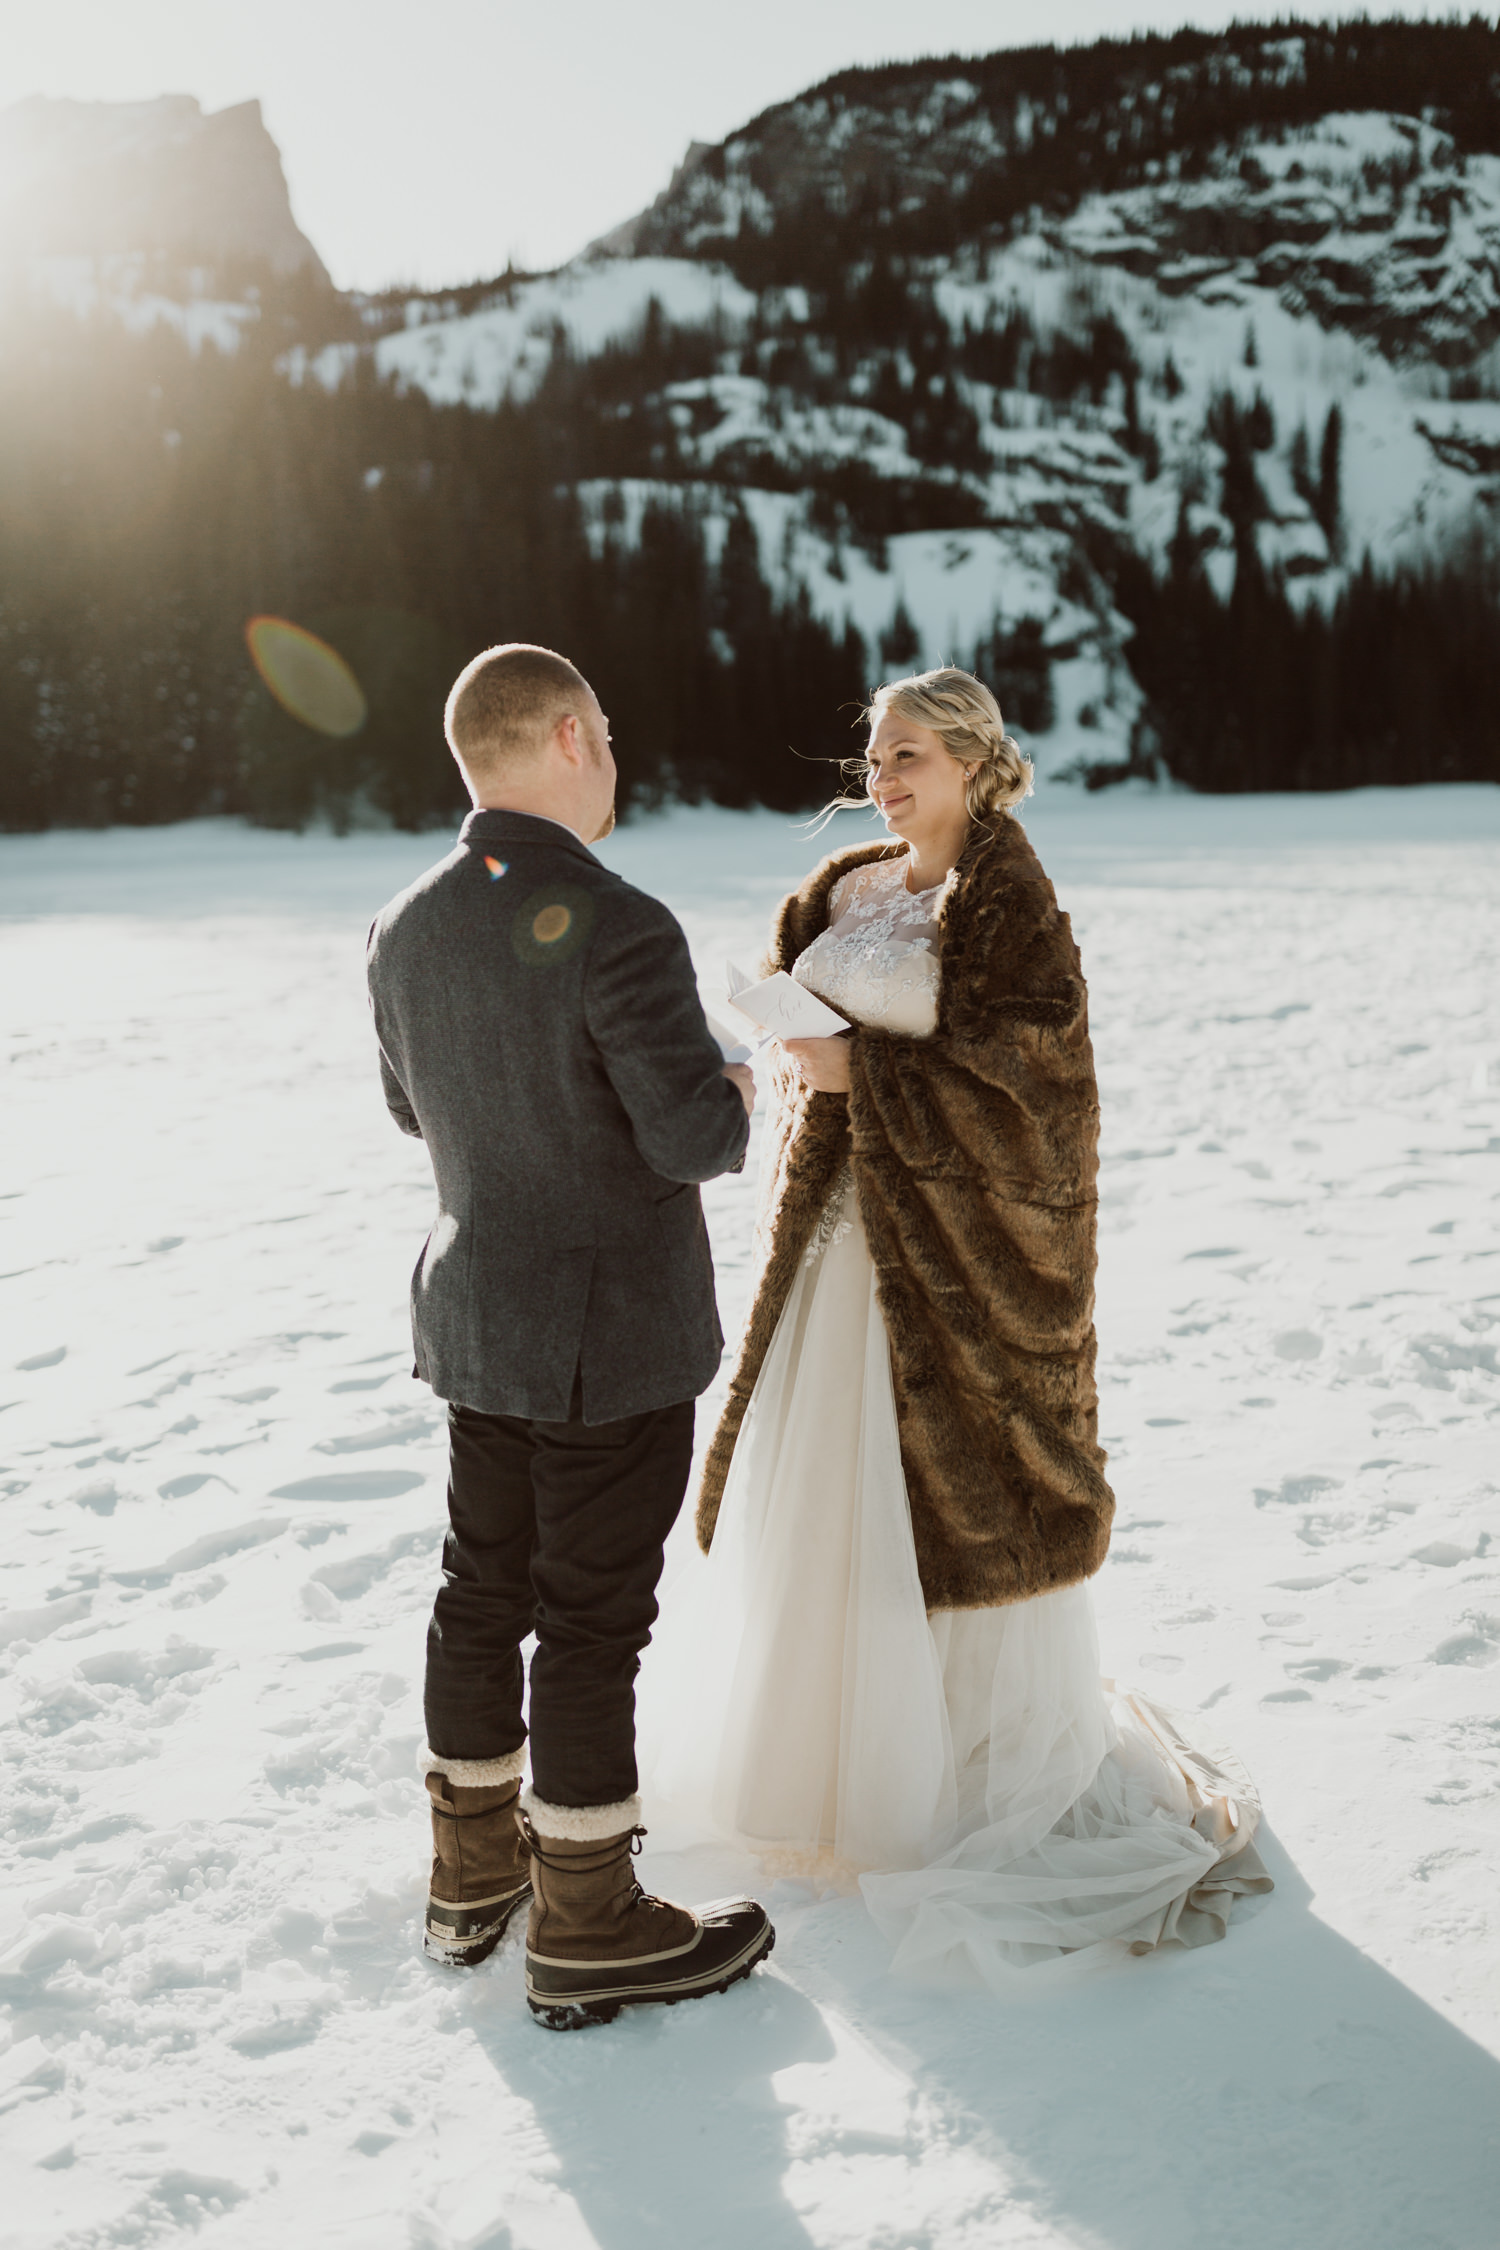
222, 1507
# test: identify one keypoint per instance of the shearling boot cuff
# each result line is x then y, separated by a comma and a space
477, 1773
580, 1824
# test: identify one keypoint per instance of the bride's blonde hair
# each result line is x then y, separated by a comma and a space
964, 715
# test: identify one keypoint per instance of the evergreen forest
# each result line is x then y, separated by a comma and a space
155, 498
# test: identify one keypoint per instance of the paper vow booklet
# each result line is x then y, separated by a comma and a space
732, 1046
781, 1006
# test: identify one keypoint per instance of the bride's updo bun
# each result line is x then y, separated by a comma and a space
963, 713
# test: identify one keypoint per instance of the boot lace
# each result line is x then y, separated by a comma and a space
578, 1862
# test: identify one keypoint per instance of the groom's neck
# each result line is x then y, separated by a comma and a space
536, 804
531, 813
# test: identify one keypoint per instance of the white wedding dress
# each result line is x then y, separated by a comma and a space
995, 1802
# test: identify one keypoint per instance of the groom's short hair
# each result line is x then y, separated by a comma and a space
503, 705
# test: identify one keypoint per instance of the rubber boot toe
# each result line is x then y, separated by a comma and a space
731, 1936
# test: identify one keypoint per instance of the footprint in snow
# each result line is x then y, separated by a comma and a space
1442, 1554
198, 1591
132, 1668
38, 1624
27, 1965
57, 1705
352, 1484
1452, 1355
402, 1431
1295, 1491
1478, 1647
102, 1497
358, 1573
213, 1547
283, 2029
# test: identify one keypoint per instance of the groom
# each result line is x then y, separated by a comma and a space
540, 1030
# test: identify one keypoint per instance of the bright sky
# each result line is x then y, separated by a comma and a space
429, 140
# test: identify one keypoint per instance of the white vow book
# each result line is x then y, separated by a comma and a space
732, 1047
781, 1006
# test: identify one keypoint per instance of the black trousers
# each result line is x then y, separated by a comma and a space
555, 1528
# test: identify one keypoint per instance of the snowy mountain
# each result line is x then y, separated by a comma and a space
1159, 379
965, 314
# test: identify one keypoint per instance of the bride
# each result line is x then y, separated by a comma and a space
886, 1671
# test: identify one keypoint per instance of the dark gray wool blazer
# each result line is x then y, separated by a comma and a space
540, 1030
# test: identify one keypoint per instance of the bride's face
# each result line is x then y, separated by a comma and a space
916, 784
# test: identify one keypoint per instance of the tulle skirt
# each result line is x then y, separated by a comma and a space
998, 1805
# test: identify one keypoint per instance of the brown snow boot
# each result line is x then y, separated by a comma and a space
480, 1870
596, 1942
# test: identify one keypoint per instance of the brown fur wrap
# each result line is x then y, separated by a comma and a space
975, 1159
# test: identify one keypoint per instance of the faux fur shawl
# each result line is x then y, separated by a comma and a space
975, 1159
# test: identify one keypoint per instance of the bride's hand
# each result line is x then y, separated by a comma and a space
823, 1063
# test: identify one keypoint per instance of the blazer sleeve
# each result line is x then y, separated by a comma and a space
397, 1100
643, 1013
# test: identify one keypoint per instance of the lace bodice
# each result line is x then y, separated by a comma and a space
877, 961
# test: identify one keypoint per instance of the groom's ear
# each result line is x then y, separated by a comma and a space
571, 739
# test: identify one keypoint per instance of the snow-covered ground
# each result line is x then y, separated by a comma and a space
222, 1506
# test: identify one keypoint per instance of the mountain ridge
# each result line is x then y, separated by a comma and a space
1194, 449
1093, 115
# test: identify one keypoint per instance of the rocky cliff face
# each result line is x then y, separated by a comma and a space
156, 180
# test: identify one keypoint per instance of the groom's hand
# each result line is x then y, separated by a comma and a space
823, 1063
744, 1077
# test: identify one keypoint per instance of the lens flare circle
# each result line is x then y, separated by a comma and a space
306, 676
552, 923
552, 926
